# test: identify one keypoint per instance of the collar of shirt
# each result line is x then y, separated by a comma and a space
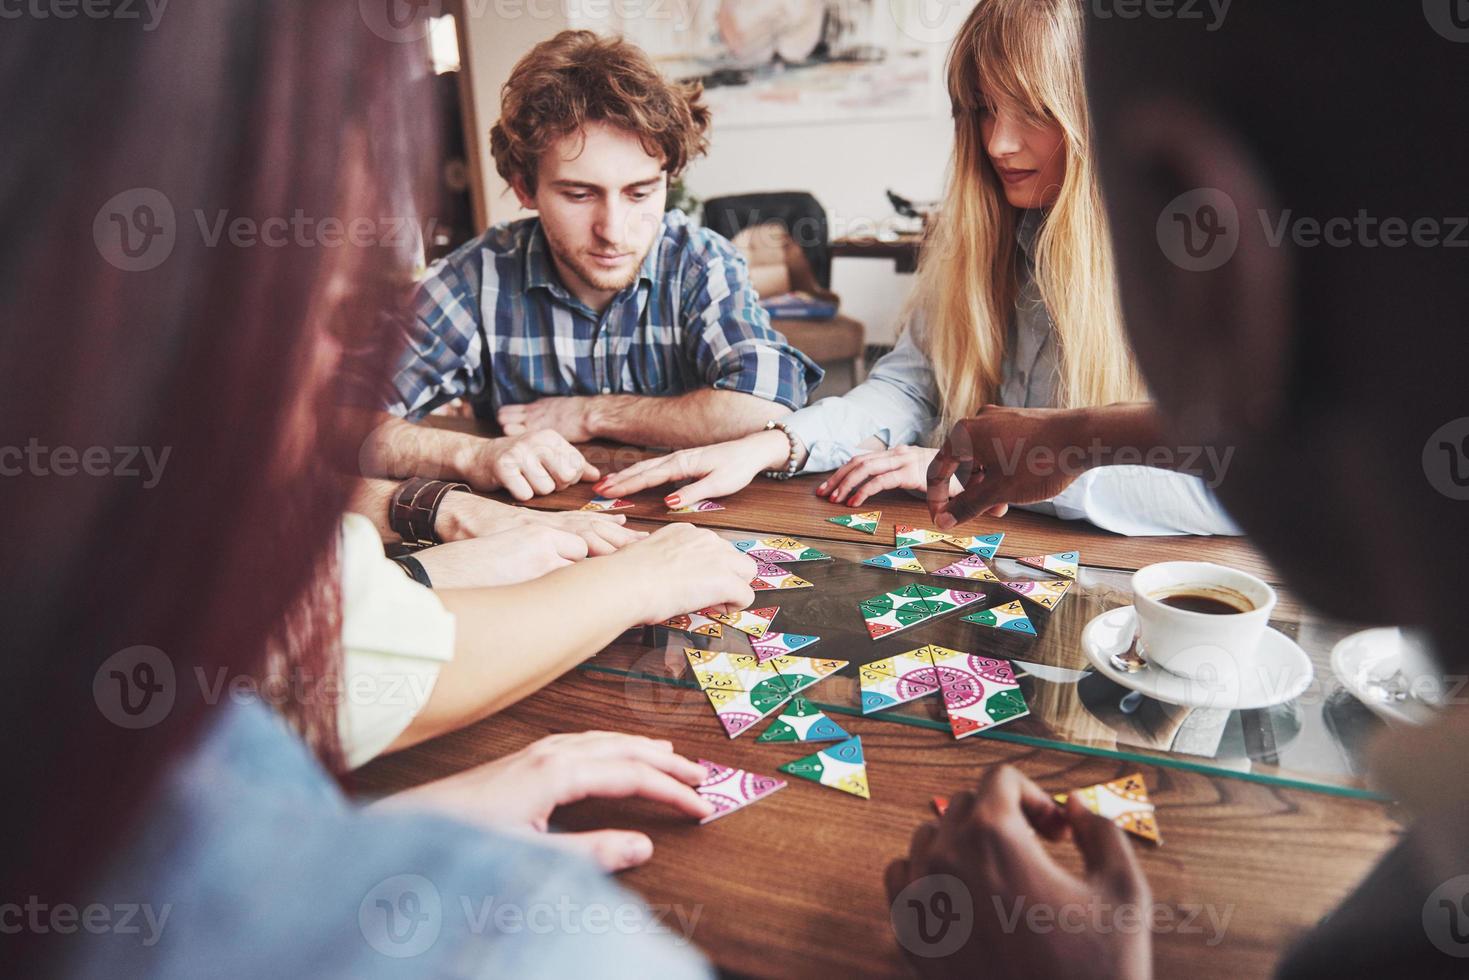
1026, 230
540, 270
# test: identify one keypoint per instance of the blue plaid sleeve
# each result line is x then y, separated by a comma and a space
444, 352
729, 336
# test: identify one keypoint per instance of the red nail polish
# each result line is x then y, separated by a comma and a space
671, 500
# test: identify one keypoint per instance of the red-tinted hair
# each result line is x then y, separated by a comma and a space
235, 109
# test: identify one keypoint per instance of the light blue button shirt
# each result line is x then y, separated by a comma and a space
249, 863
899, 405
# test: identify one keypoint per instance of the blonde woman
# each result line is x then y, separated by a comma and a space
1015, 319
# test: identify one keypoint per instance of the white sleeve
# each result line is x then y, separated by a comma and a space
1141, 501
396, 635
898, 403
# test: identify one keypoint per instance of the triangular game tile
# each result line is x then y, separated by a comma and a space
865, 522
1063, 563
984, 545
702, 507
900, 560
607, 503
741, 689
839, 766
1124, 802
1046, 593
770, 578
802, 721
779, 644
970, 567
782, 550
697, 623
907, 536
752, 622
979, 692
1011, 616
731, 789
896, 680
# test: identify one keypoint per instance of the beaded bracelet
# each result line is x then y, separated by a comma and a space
790, 468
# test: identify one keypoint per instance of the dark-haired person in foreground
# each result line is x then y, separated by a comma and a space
1327, 364
604, 316
151, 632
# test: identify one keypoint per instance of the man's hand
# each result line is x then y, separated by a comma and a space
503, 558
465, 515
526, 466
568, 415
1006, 456
990, 840
517, 793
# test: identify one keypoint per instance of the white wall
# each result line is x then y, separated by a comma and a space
848, 165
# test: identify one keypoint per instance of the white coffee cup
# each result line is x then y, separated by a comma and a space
1200, 645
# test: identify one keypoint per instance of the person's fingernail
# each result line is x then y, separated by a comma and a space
671, 500
833, 498
821, 488
944, 521
638, 850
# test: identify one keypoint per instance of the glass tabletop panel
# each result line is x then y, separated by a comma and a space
1315, 740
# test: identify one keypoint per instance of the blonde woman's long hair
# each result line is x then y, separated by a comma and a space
1025, 53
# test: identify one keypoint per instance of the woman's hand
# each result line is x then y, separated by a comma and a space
518, 554
990, 841
518, 793
682, 567
717, 471
898, 468
466, 515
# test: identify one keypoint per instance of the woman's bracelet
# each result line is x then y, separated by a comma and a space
790, 467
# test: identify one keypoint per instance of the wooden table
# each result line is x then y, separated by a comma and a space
1274, 859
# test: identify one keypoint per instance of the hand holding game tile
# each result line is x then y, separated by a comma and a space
518, 792
976, 453
682, 567
990, 839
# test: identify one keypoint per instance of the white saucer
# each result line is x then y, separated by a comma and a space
1281, 673
1368, 662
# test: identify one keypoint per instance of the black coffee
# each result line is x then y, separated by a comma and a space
1194, 602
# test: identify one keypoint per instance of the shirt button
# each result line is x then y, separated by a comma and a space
606, 391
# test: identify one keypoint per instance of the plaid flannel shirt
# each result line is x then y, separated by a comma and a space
494, 325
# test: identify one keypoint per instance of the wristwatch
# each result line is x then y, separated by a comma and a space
414, 506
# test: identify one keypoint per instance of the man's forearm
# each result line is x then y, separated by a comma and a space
698, 418
1133, 433
398, 448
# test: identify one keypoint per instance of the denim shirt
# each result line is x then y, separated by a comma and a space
899, 405
249, 862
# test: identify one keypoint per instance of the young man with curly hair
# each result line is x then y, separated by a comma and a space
601, 317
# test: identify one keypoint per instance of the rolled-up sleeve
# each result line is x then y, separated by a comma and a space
897, 404
729, 336
396, 636
444, 347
